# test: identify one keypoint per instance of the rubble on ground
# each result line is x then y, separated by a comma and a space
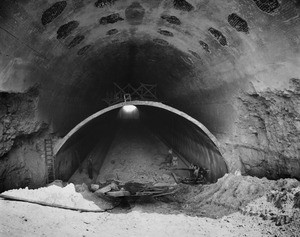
132, 189
229, 194
266, 202
278, 206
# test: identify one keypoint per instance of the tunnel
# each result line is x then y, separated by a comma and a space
232, 67
150, 117
148, 126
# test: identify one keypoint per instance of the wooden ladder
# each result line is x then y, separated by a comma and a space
49, 160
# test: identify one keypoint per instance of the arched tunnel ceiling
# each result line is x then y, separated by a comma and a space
200, 53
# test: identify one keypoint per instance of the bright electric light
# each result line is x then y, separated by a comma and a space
129, 108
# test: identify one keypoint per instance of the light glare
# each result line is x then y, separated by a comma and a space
129, 108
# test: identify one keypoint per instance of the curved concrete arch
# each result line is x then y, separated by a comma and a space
60, 144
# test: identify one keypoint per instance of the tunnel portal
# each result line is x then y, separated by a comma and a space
237, 71
132, 144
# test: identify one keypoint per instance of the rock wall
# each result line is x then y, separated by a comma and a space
21, 141
266, 141
24, 165
18, 117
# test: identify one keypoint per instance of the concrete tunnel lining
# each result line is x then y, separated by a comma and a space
210, 158
60, 144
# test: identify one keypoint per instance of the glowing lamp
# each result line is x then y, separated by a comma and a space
129, 108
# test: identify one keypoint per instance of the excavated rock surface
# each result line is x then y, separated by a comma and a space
230, 194
268, 134
267, 203
278, 206
21, 163
18, 117
24, 165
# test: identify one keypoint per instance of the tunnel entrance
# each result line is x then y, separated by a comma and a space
134, 145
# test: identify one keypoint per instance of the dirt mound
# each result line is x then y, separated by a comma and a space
230, 194
278, 206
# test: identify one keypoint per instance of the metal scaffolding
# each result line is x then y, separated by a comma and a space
129, 92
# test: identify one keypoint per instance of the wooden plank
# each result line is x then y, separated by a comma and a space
118, 194
12, 198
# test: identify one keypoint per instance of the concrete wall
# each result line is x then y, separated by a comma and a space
92, 141
186, 139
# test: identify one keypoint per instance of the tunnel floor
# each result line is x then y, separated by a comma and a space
136, 155
239, 206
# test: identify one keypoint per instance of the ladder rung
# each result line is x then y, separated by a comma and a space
48, 146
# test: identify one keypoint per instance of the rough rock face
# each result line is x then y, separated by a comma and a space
231, 193
268, 141
18, 117
24, 165
21, 132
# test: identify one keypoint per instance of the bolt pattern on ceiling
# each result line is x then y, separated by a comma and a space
171, 19
204, 46
77, 40
195, 54
110, 19
268, 6
54, 11
165, 33
161, 42
103, 3
183, 5
218, 36
112, 32
66, 29
83, 50
238, 23
135, 13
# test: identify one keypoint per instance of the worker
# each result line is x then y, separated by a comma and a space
90, 168
77, 157
196, 172
169, 157
174, 161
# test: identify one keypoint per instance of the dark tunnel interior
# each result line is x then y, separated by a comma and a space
143, 130
134, 62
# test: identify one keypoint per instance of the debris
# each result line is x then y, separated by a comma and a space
94, 187
135, 189
175, 178
197, 175
7, 197
57, 182
105, 189
81, 188
278, 206
297, 200
121, 193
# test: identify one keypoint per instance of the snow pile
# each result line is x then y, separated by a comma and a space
66, 196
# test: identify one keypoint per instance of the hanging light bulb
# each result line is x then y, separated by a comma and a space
129, 108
